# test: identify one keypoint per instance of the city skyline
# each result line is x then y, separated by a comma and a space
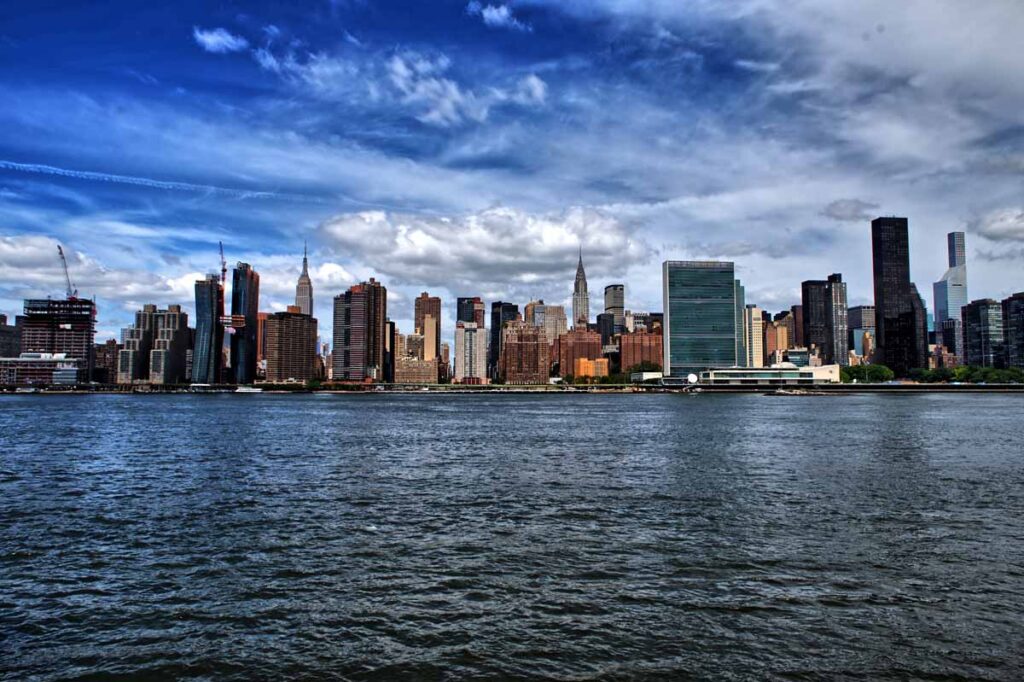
551, 136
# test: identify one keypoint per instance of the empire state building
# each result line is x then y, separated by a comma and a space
580, 297
304, 289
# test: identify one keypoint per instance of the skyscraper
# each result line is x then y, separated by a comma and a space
860, 320
1013, 330
798, 340
950, 296
360, 331
983, 333
825, 320
741, 337
524, 354
427, 305
61, 326
207, 353
470, 354
615, 305
304, 288
169, 352
900, 316
580, 297
291, 346
245, 307
471, 309
753, 332
137, 340
501, 313
700, 316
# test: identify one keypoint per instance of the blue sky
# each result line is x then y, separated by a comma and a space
470, 148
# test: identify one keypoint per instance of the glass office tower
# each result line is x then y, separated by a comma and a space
700, 316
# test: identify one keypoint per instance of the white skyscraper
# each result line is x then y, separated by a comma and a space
951, 296
470, 353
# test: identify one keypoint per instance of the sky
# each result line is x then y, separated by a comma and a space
472, 148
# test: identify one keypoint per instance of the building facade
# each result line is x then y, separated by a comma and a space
640, 347
360, 329
245, 307
471, 309
10, 339
304, 288
615, 305
983, 333
700, 316
207, 353
950, 296
900, 317
291, 346
427, 320
753, 336
524, 354
580, 297
1013, 330
470, 354
574, 344
501, 312
61, 327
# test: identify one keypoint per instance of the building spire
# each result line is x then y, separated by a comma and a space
305, 263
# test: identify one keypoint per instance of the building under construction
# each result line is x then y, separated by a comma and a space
65, 327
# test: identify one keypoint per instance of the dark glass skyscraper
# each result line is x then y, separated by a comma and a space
825, 318
207, 353
500, 314
245, 304
471, 309
360, 333
900, 318
983, 333
1013, 330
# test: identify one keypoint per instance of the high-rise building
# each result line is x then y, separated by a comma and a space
825, 319
524, 354
168, 353
753, 333
261, 337
615, 305
360, 330
741, 337
798, 341
550, 318
10, 339
786, 319
580, 297
304, 288
105, 371
640, 347
500, 314
470, 354
471, 309
291, 346
245, 307
860, 320
606, 327
394, 347
65, 326
207, 353
776, 340
983, 333
427, 305
1013, 330
137, 342
950, 296
576, 343
700, 316
900, 316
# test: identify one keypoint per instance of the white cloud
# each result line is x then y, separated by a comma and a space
1001, 225
499, 249
218, 40
497, 16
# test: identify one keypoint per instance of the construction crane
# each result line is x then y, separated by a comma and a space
72, 292
223, 266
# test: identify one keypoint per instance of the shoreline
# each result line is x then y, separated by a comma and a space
448, 389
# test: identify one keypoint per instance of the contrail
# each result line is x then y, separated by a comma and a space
143, 182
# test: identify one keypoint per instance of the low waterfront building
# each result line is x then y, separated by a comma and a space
413, 370
640, 347
584, 368
43, 369
574, 344
785, 374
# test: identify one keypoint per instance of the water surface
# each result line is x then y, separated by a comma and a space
527, 536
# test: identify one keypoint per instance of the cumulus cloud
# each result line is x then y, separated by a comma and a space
1002, 225
218, 40
497, 16
850, 210
499, 249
